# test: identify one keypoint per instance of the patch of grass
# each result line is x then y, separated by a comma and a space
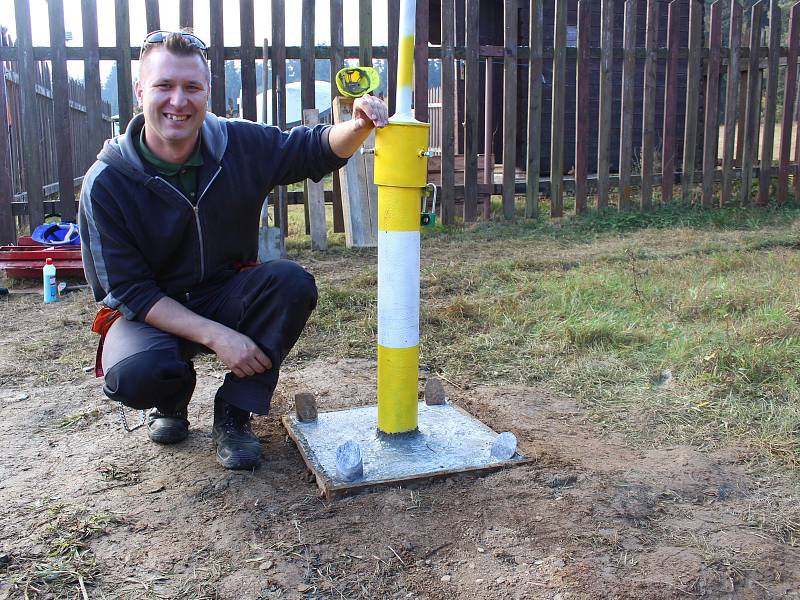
64, 565
597, 308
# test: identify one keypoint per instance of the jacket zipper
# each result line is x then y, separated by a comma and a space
196, 210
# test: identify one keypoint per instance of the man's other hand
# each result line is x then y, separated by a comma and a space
370, 112
239, 353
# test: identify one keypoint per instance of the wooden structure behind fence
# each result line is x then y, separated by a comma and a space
732, 90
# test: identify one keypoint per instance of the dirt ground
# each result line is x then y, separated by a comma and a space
90, 511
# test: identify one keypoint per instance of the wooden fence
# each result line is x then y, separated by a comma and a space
732, 106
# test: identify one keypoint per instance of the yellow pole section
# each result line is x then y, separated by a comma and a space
401, 169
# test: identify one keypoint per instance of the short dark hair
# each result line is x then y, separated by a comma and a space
176, 43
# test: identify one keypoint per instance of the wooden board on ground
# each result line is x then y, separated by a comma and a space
316, 197
359, 193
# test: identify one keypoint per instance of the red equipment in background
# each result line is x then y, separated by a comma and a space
26, 259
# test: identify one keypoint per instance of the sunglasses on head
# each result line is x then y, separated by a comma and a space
158, 37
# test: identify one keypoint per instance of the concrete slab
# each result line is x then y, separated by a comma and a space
448, 441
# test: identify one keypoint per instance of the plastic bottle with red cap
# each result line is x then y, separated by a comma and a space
49, 281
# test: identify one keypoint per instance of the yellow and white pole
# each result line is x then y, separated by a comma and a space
401, 169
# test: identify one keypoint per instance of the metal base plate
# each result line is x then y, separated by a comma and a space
448, 441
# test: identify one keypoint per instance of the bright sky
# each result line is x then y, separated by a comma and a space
169, 20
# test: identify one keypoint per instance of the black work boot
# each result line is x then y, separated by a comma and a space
237, 446
168, 425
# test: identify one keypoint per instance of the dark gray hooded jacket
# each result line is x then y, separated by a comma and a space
141, 239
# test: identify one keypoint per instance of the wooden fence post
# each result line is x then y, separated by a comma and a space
510, 37
186, 13
316, 197
533, 162
307, 82
789, 93
152, 15
337, 62
365, 33
557, 111
606, 100
753, 107
216, 54
91, 76
278, 55
582, 110
33, 160
731, 100
692, 97
471, 97
711, 134
393, 18
670, 102
248, 63
448, 137
421, 63
66, 185
8, 230
649, 110
765, 176
124, 79
626, 118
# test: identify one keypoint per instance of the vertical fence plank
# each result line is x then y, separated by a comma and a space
744, 85
628, 105
248, 64
66, 187
307, 55
765, 176
753, 106
711, 134
421, 63
472, 98
33, 164
606, 101
510, 27
533, 162
124, 78
670, 102
448, 137
365, 32
307, 85
557, 111
316, 197
186, 13
216, 54
278, 55
488, 154
152, 15
692, 97
91, 76
789, 93
393, 14
8, 229
337, 62
731, 99
582, 110
649, 109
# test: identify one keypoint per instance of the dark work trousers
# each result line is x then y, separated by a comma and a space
145, 367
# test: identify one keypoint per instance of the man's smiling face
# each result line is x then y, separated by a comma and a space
173, 92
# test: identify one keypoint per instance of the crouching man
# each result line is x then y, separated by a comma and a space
169, 218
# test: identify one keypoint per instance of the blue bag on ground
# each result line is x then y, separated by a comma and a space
57, 234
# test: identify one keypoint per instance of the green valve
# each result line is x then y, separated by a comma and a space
428, 219
354, 82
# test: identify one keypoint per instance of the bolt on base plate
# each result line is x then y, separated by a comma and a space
448, 441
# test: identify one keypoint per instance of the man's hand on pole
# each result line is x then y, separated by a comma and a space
369, 112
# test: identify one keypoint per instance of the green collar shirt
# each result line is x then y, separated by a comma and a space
184, 176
